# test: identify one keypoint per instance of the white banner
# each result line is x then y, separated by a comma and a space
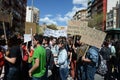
55, 33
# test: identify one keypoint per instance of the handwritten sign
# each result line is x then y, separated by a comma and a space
55, 33
88, 35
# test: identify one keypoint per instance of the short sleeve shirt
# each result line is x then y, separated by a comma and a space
39, 53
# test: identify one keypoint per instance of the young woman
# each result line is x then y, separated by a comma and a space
62, 60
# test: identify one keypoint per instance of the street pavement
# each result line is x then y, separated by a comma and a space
97, 76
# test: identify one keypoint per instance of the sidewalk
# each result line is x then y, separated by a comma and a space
97, 76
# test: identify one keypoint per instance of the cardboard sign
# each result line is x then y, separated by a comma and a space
93, 37
30, 26
5, 17
76, 27
88, 35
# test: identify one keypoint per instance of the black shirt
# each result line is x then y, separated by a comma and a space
15, 52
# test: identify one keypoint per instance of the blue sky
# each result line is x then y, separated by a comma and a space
57, 12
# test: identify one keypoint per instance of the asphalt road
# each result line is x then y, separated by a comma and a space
97, 77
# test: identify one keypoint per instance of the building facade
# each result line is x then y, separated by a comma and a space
113, 14
32, 14
98, 7
89, 13
113, 19
80, 15
16, 9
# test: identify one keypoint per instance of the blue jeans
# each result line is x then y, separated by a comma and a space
90, 72
33, 78
63, 73
41, 78
13, 74
81, 73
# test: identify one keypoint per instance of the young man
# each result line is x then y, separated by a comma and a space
91, 62
39, 60
13, 58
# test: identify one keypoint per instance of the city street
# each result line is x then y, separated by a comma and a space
59, 39
97, 76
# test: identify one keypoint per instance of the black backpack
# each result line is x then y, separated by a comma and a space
102, 66
49, 58
105, 52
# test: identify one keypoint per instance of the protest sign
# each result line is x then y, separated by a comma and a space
27, 37
55, 33
88, 35
30, 26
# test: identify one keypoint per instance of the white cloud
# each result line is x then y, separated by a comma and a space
47, 20
48, 15
74, 9
78, 5
60, 18
68, 15
81, 2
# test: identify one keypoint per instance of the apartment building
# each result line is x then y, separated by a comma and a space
98, 7
113, 19
32, 14
16, 9
80, 15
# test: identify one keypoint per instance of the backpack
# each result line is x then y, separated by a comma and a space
24, 54
2, 62
102, 66
49, 57
105, 52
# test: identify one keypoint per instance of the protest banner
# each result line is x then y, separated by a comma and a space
55, 33
88, 35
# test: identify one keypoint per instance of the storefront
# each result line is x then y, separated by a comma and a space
113, 33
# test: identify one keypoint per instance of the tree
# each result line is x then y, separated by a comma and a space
96, 21
52, 26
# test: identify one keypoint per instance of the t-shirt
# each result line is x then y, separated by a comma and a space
15, 52
39, 53
93, 55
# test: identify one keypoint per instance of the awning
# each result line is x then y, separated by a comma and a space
113, 30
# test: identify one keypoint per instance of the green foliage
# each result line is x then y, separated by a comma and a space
39, 29
52, 26
96, 21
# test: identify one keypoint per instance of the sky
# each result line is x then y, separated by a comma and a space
57, 12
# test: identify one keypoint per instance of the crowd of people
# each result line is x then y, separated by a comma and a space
62, 56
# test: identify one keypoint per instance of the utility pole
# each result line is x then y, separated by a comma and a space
32, 11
